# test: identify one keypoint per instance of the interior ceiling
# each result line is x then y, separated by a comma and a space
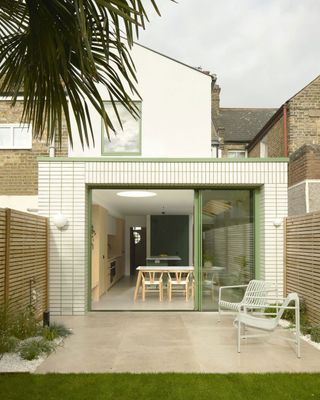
215, 207
170, 201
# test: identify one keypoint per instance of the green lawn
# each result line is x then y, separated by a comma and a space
160, 386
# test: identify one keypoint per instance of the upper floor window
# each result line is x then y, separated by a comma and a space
237, 154
125, 140
15, 136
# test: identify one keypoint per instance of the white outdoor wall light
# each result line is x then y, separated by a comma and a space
277, 222
60, 220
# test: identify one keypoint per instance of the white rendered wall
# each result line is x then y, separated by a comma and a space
139, 220
62, 188
176, 110
20, 203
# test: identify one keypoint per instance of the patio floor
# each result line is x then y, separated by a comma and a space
171, 342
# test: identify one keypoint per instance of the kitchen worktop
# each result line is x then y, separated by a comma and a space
165, 258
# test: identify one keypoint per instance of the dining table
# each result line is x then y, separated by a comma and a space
161, 268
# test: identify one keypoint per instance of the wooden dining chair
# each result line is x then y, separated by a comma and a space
179, 282
152, 282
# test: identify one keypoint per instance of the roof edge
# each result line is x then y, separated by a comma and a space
269, 124
304, 87
210, 75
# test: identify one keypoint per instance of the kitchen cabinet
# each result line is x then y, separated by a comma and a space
107, 238
111, 225
99, 249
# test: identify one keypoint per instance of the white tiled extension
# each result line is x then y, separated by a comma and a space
62, 188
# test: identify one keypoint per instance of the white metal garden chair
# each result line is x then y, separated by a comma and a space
261, 322
254, 295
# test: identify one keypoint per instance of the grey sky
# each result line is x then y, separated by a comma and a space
263, 51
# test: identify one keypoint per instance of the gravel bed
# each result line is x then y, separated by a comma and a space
12, 362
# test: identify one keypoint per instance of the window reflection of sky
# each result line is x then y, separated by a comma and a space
126, 139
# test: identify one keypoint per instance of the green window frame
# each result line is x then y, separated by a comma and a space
129, 122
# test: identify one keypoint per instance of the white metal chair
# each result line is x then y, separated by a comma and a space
244, 320
254, 295
179, 280
152, 282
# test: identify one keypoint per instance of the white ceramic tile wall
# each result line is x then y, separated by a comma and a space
62, 188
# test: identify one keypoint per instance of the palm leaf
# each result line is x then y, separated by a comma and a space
54, 53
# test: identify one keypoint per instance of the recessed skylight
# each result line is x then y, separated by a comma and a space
136, 193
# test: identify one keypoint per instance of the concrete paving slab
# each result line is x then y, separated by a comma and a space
171, 342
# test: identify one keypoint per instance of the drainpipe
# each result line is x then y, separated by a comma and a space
285, 131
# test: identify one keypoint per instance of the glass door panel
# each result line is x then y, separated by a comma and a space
227, 243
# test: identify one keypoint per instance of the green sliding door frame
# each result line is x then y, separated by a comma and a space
89, 243
197, 249
198, 237
197, 231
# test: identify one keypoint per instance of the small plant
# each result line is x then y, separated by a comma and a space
207, 259
315, 334
54, 331
289, 315
32, 348
305, 329
8, 344
23, 324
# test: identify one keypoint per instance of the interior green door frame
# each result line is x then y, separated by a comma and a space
197, 249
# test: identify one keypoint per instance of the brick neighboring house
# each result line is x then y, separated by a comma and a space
294, 131
18, 159
234, 128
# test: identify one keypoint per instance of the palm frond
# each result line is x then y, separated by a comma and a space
58, 51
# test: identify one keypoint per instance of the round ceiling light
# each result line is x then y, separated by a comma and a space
136, 193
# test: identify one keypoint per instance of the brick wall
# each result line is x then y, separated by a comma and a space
255, 152
304, 164
304, 117
19, 168
215, 99
274, 140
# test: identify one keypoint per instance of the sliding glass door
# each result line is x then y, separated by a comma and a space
227, 243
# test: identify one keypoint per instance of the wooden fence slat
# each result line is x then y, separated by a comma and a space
302, 260
23, 259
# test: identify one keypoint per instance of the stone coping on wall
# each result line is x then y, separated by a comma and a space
130, 159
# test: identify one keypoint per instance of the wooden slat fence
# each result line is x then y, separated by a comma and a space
23, 260
302, 261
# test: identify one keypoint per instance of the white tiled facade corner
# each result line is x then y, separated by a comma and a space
62, 189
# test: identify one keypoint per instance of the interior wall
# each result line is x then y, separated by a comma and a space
131, 220
148, 224
170, 235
